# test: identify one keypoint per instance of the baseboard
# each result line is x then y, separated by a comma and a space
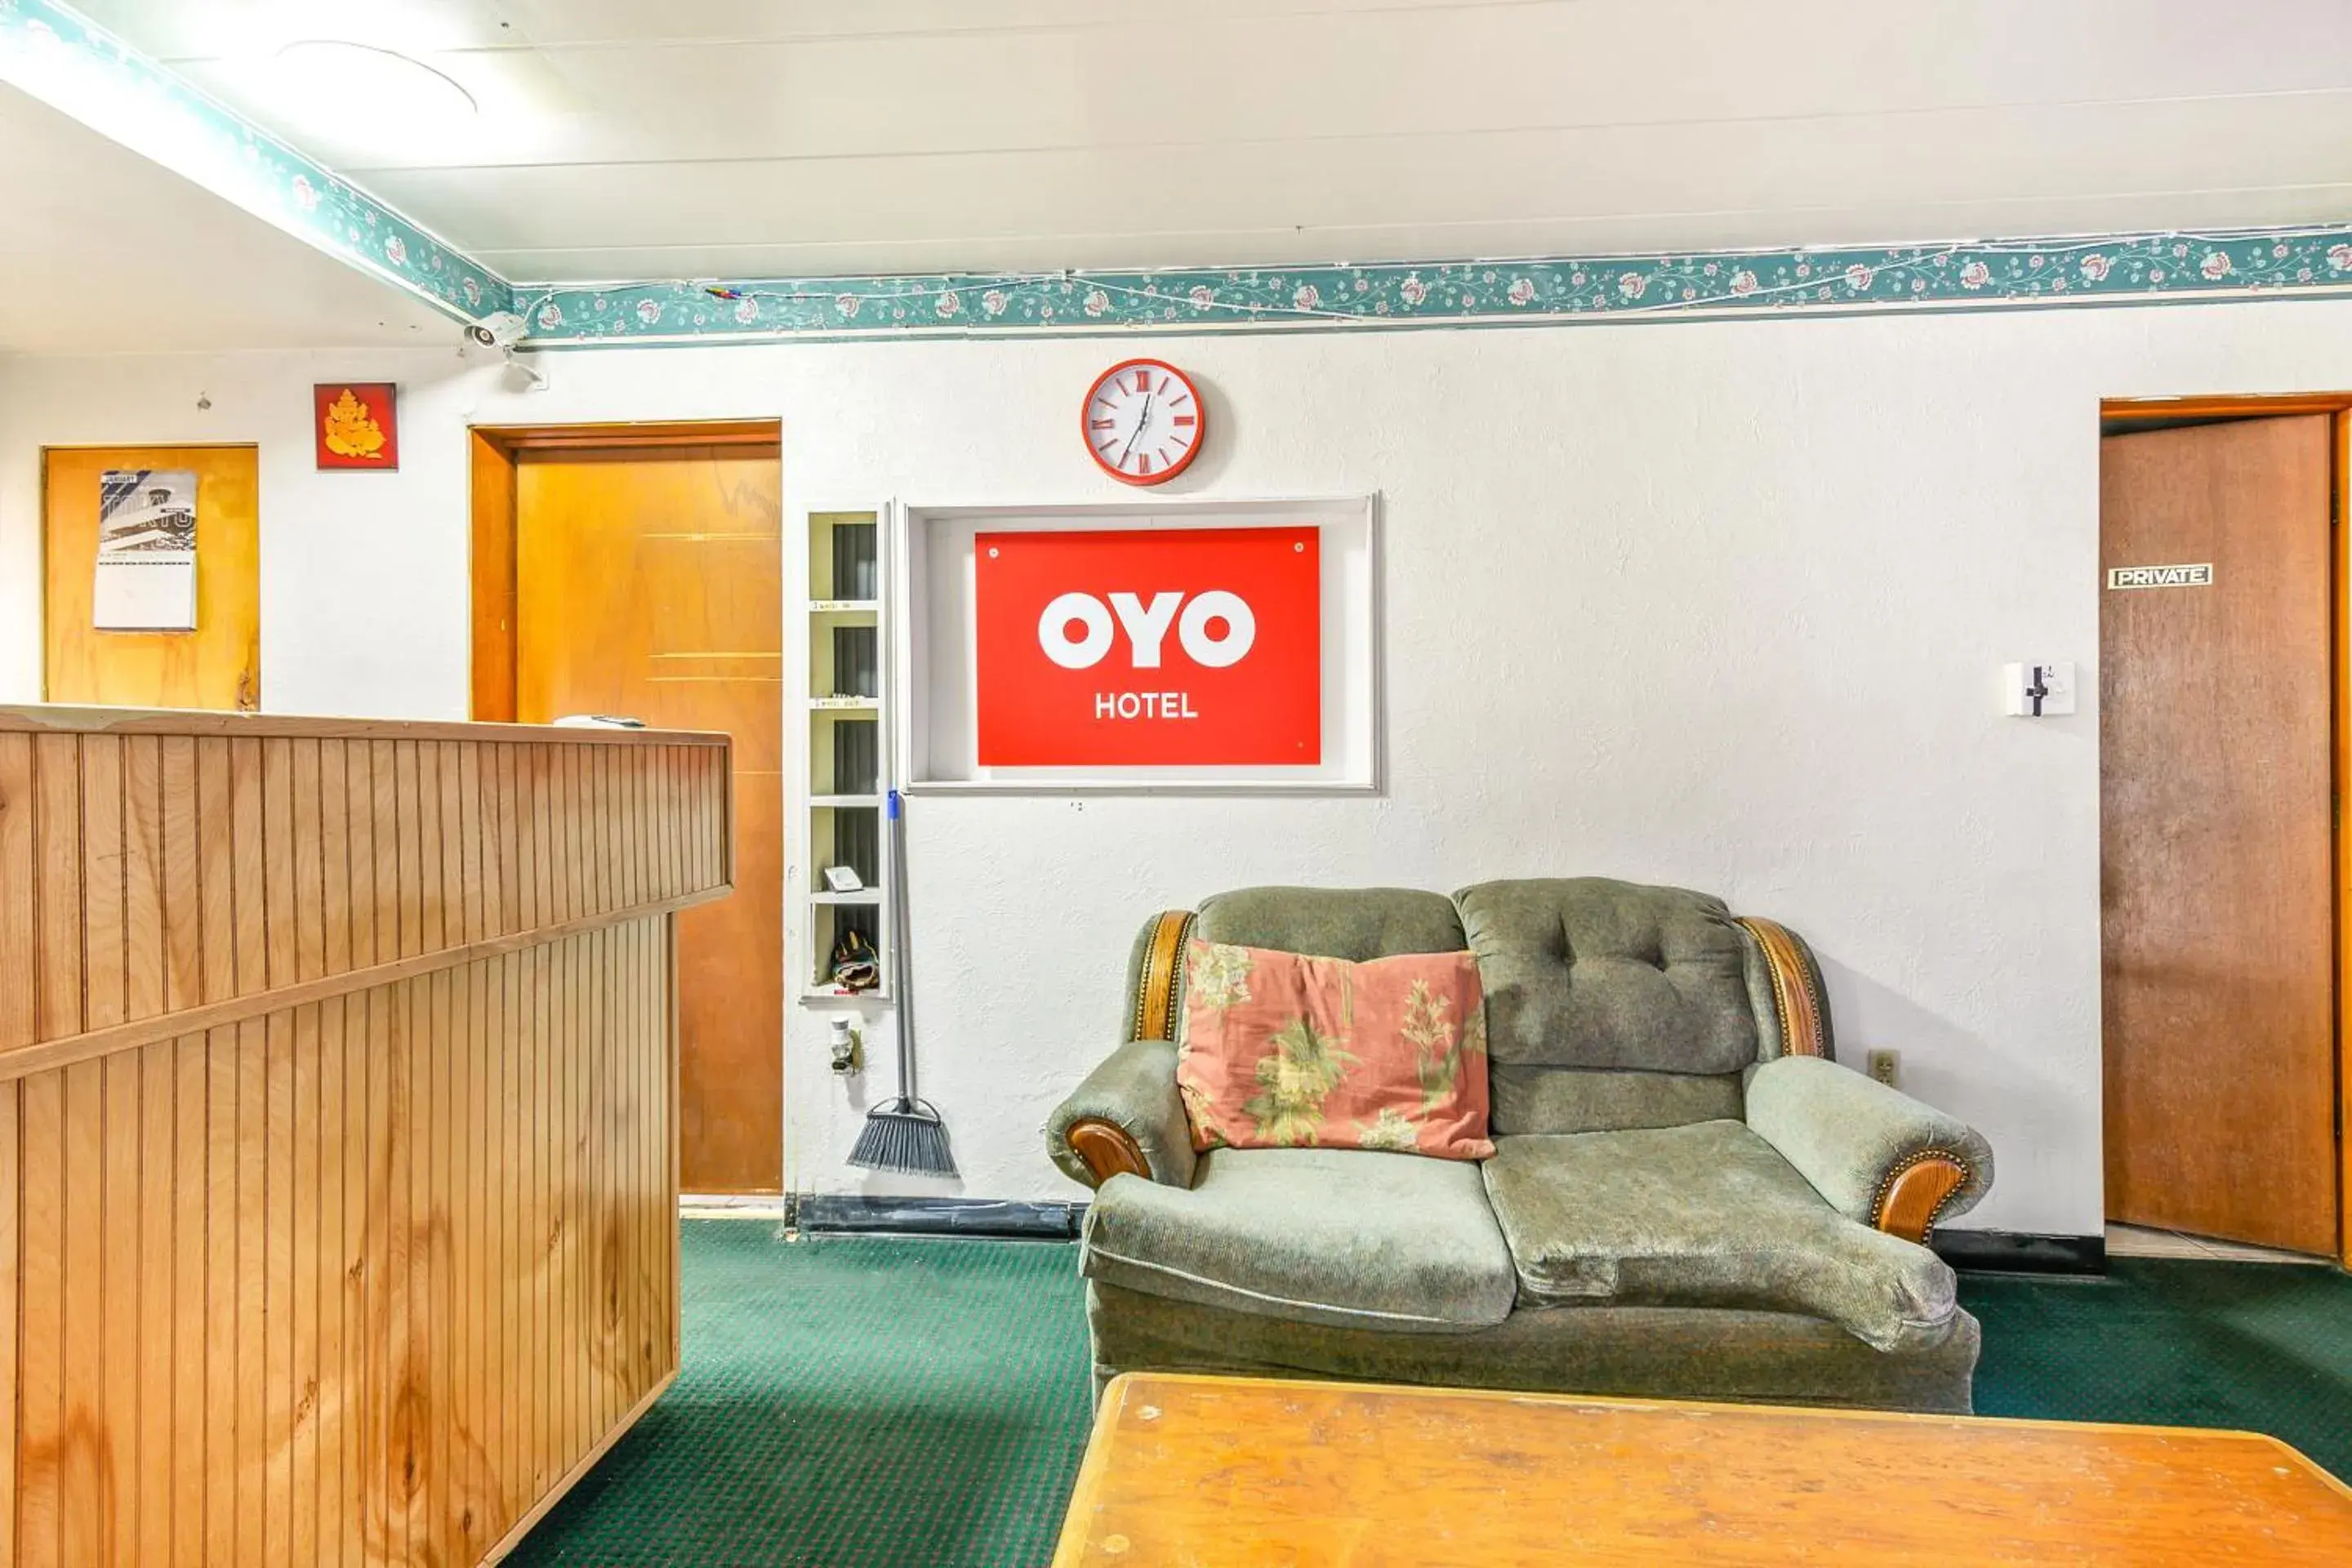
2001, 1251
2021, 1252
850, 1213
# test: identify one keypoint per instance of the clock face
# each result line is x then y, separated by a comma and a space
1143, 422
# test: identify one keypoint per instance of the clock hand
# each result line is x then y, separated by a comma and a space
1141, 421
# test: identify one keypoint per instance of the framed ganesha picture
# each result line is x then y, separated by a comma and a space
356, 424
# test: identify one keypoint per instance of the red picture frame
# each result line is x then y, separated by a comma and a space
356, 424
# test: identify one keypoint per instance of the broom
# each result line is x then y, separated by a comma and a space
903, 1134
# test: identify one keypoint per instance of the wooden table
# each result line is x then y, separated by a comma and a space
1249, 1473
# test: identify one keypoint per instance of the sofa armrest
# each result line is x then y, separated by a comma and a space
1126, 1117
1878, 1156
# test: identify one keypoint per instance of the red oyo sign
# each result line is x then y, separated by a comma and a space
1171, 647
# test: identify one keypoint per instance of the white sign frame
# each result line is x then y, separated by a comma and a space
937, 686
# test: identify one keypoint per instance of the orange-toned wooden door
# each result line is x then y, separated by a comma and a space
2217, 843
649, 581
218, 665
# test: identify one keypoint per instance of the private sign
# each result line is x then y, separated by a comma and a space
2197, 576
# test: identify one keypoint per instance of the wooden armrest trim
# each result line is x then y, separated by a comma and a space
1913, 1195
1795, 990
1157, 987
1108, 1148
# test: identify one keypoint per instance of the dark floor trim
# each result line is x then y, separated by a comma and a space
2021, 1252
936, 1217
2002, 1251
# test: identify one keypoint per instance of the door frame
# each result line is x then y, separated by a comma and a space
493, 451
2337, 406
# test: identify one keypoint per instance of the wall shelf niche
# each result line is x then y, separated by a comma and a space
847, 621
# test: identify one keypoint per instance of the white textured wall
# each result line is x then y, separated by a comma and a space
1718, 604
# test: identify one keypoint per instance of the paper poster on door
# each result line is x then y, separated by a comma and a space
1165, 647
146, 572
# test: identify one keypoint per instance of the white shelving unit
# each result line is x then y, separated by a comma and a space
844, 594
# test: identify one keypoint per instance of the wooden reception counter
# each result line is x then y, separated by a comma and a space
337, 1126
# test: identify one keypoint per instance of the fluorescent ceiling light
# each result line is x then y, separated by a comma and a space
358, 93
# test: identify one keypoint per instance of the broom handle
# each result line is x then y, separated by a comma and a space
899, 926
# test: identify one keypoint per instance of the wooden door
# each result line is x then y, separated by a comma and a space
2216, 837
649, 581
218, 665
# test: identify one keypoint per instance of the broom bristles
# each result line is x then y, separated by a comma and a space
906, 1137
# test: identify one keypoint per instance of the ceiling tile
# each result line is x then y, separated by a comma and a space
1041, 133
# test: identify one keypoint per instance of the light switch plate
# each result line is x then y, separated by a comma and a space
1883, 1065
2052, 680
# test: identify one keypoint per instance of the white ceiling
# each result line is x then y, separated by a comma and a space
100, 249
688, 138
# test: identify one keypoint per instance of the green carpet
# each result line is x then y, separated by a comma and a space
869, 1403
848, 1402
2258, 1347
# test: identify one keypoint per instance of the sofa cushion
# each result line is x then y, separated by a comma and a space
1354, 923
1706, 1214
1590, 972
1524, 1099
1647, 1352
1344, 1238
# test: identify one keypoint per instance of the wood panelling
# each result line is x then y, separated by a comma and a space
337, 1147
217, 665
142, 914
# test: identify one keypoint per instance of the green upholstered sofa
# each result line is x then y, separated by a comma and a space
1688, 1196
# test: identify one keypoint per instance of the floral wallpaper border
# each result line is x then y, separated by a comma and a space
2140, 269
57, 55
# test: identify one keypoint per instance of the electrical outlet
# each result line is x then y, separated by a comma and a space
847, 1047
1882, 1066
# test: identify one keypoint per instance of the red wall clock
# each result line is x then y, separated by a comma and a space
1143, 422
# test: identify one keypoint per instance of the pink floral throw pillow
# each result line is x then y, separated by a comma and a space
1281, 1049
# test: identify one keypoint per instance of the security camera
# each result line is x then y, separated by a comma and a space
499, 330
